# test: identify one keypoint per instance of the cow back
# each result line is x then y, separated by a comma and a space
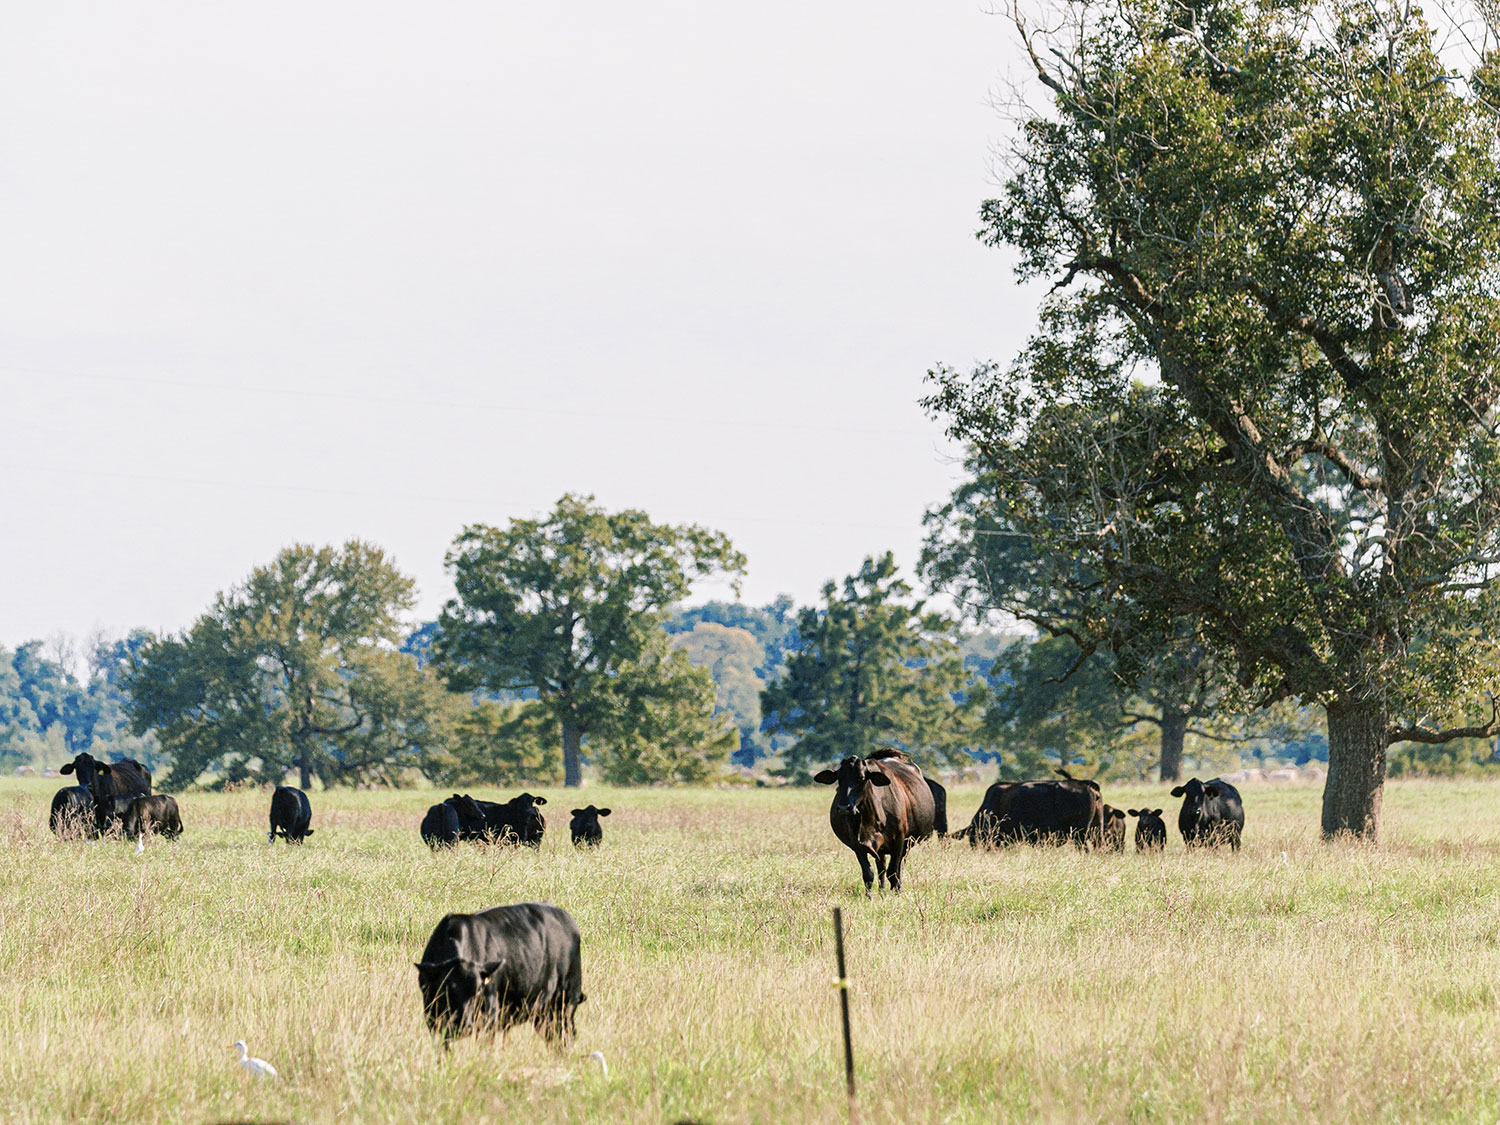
1039, 810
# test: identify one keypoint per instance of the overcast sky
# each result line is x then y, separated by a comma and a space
306, 271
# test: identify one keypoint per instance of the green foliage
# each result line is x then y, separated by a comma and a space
666, 727
572, 606
496, 743
731, 656
872, 669
1050, 706
1263, 391
295, 667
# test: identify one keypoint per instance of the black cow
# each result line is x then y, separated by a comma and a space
1114, 829
1038, 812
109, 814
291, 814
1150, 830
517, 821
939, 808
881, 807
72, 815
484, 972
1211, 814
106, 780
154, 813
440, 826
585, 826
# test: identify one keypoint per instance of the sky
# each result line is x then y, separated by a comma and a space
302, 272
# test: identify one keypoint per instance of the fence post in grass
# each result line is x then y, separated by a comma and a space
842, 984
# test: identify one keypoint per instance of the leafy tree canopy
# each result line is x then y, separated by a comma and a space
872, 669
296, 667
1263, 393
571, 606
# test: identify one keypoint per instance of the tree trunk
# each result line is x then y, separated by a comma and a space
572, 756
1357, 740
1173, 733
306, 772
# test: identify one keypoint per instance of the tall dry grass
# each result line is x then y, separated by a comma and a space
1294, 981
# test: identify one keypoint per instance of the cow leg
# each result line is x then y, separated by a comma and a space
898, 855
864, 868
880, 868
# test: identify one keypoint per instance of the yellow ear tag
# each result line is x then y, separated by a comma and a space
841, 982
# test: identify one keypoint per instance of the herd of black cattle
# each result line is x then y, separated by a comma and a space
521, 963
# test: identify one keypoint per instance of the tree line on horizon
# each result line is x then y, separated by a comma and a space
309, 668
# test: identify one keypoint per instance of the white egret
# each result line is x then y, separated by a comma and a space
598, 1057
258, 1067
140, 843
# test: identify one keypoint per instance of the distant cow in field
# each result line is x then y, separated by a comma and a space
105, 780
1066, 811
440, 826
1211, 813
511, 964
291, 815
585, 826
153, 814
1150, 830
881, 807
72, 815
1114, 829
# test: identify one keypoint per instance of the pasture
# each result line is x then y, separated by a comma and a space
1293, 981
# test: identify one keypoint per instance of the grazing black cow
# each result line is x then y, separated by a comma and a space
585, 826
106, 780
1211, 814
440, 826
1150, 830
881, 807
939, 808
484, 972
291, 815
1066, 811
517, 821
155, 813
1114, 829
72, 816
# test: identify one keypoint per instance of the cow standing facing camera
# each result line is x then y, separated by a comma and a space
585, 826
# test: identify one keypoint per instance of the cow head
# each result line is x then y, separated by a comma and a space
1150, 830
851, 778
87, 767
453, 992
1195, 798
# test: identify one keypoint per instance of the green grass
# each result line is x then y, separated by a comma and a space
1293, 981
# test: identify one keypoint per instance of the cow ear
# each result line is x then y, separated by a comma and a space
1133, 812
1179, 791
102, 768
489, 969
877, 779
539, 800
603, 812
825, 777
577, 812
67, 768
1212, 790
1156, 812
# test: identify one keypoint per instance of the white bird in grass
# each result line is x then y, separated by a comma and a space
598, 1056
140, 843
258, 1067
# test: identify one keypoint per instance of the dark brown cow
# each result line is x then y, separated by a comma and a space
1114, 829
1055, 812
156, 814
881, 807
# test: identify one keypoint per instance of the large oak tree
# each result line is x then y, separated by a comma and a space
571, 607
1263, 391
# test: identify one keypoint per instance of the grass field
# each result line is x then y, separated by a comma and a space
1293, 981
